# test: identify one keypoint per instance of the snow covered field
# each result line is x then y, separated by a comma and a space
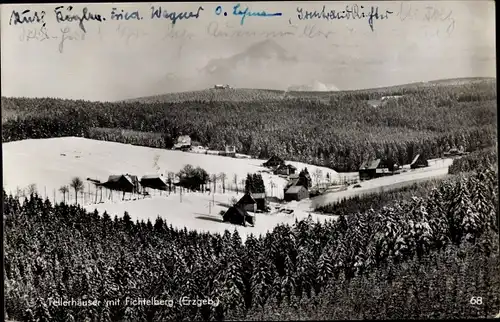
196, 211
52, 163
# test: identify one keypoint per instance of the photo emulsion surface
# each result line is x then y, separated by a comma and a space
250, 161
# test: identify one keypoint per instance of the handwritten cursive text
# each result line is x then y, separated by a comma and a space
69, 16
243, 13
228, 31
157, 13
67, 34
123, 15
350, 12
27, 16
410, 11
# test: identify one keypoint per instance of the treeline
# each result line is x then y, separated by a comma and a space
475, 160
340, 134
419, 246
149, 139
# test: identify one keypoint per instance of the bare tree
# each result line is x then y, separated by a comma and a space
236, 182
32, 189
19, 192
319, 176
214, 181
223, 178
170, 180
273, 185
77, 185
64, 190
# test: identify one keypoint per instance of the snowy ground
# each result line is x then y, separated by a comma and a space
201, 212
52, 163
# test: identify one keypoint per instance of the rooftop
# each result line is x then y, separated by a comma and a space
373, 164
294, 189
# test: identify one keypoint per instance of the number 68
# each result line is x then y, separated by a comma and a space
476, 300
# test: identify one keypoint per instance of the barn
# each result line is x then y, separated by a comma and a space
368, 169
296, 193
419, 162
260, 199
247, 202
274, 161
285, 170
239, 216
154, 182
125, 183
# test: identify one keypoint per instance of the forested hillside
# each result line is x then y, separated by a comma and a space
340, 133
212, 94
475, 160
424, 258
255, 95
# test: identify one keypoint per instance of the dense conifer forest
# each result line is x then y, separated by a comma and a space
340, 130
425, 257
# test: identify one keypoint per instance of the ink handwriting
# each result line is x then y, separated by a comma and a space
157, 13
27, 17
123, 15
69, 16
350, 12
228, 31
243, 13
42, 34
311, 31
408, 11
67, 34
39, 34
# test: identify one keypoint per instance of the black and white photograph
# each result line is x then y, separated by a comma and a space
250, 161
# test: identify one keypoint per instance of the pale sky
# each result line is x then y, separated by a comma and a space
117, 60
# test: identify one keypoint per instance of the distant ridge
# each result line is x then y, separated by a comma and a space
248, 94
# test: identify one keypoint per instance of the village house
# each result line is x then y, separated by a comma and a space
247, 202
368, 169
260, 199
274, 161
155, 181
377, 168
239, 216
183, 143
419, 162
124, 183
285, 170
296, 193
297, 180
230, 151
